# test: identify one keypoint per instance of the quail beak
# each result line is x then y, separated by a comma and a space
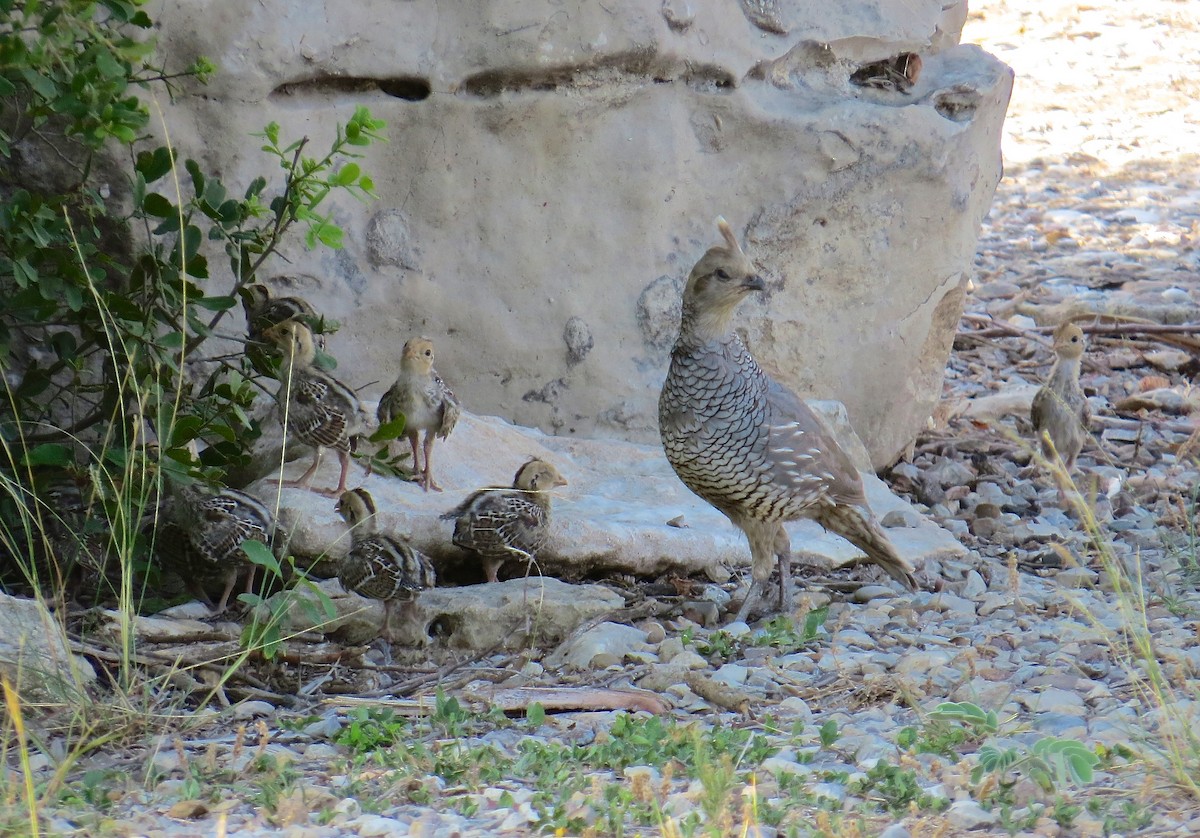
561, 481
753, 283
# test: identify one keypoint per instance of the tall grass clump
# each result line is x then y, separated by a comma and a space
115, 330
1169, 741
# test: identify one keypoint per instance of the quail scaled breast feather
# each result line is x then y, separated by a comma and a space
748, 445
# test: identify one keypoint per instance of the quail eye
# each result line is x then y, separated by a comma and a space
722, 274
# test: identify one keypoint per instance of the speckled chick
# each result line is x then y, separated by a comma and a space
500, 524
321, 411
748, 445
1060, 411
202, 540
264, 310
380, 566
425, 402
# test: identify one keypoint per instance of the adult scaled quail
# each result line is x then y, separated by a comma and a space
748, 445
1060, 411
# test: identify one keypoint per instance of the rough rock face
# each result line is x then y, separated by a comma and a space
554, 169
34, 654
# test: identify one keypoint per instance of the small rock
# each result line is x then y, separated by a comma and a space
967, 814
689, 660
737, 629
866, 593
732, 674
252, 709
320, 751
1054, 700
669, 648
600, 646
1077, 578
901, 518
702, 612
797, 707
655, 632
974, 586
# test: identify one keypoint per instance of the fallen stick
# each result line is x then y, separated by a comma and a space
1173, 334
565, 699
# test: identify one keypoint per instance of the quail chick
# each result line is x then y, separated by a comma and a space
501, 524
748, 445
263, 310
425, 402
321, 411
1060, 411
380, 566
203, 536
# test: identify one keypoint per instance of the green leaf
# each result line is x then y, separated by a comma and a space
535, 714
64, 344
154, 164
346, 175
813, 622
261, 555
48, 454
158, 206
215, 303
388, 431
330, 236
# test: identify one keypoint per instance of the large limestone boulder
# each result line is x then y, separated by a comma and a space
554, 168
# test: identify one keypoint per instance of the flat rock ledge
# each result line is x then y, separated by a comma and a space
624, 512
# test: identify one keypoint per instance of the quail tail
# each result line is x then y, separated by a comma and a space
863, 532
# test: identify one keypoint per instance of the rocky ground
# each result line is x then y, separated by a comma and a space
833, 711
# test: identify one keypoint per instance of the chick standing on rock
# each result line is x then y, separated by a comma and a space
202, 541
1060, 411
380, 566
425, 402
321, 411
501, 524
749, 446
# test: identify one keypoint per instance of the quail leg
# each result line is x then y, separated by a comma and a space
344, 459
306, 478
223, 603
752, 595
490, 567
418, 469
429, 483
783, 550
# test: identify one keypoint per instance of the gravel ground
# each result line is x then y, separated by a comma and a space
1099, 211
